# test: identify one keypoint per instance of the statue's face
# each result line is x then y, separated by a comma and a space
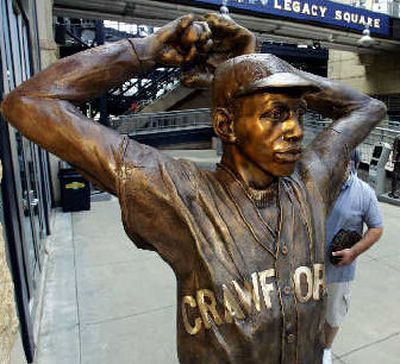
269, 131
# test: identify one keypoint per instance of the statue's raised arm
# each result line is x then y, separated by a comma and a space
44, 108
354, 115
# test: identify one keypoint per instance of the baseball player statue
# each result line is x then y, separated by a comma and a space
246, 241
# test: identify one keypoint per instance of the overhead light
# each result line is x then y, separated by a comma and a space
224, 9
366, 40
316, 45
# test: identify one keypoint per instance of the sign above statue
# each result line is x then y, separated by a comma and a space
337, 15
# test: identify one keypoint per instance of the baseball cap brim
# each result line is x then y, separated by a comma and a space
279, 82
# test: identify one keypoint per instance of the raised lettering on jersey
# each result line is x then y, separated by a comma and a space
303, 283
232, 307
267, 288
208, 307
192, 330
249, 293
319, 281
308, 284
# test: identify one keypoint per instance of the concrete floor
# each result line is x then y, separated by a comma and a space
108, 302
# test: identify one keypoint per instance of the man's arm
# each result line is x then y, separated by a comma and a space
370, 238
372, 217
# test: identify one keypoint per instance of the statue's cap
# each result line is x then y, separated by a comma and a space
252, 73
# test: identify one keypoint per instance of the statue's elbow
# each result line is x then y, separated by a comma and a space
12, 103
379, 110
7, 105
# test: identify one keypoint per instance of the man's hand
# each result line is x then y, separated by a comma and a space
346, 256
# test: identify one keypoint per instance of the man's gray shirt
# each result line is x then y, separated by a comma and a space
356, 205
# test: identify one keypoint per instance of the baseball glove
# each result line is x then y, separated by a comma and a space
343, 240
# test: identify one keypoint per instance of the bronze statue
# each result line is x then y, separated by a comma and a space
246, 242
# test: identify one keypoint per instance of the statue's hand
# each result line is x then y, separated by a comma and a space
197, 46
179, 42
228, 40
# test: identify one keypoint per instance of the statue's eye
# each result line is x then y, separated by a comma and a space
276, 114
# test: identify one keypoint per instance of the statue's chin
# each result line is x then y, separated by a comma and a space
282, 170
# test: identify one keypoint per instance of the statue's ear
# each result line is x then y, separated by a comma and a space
224, 125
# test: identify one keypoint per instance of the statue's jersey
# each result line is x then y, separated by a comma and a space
247, 292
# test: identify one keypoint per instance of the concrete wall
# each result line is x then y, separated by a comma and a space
8, 312
197, 100
48, 47
371, 74
180, 98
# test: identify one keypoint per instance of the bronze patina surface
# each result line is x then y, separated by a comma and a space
246, 242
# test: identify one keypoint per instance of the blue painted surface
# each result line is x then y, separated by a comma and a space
341, 16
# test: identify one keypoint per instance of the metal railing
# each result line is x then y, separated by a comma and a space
161, 121
144, 90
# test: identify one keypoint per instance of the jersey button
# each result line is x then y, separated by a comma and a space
286, 290
285, 250
291, 338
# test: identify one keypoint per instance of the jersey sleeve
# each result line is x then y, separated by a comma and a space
154, 192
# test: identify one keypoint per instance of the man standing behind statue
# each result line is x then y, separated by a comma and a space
356, 205
246, 242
